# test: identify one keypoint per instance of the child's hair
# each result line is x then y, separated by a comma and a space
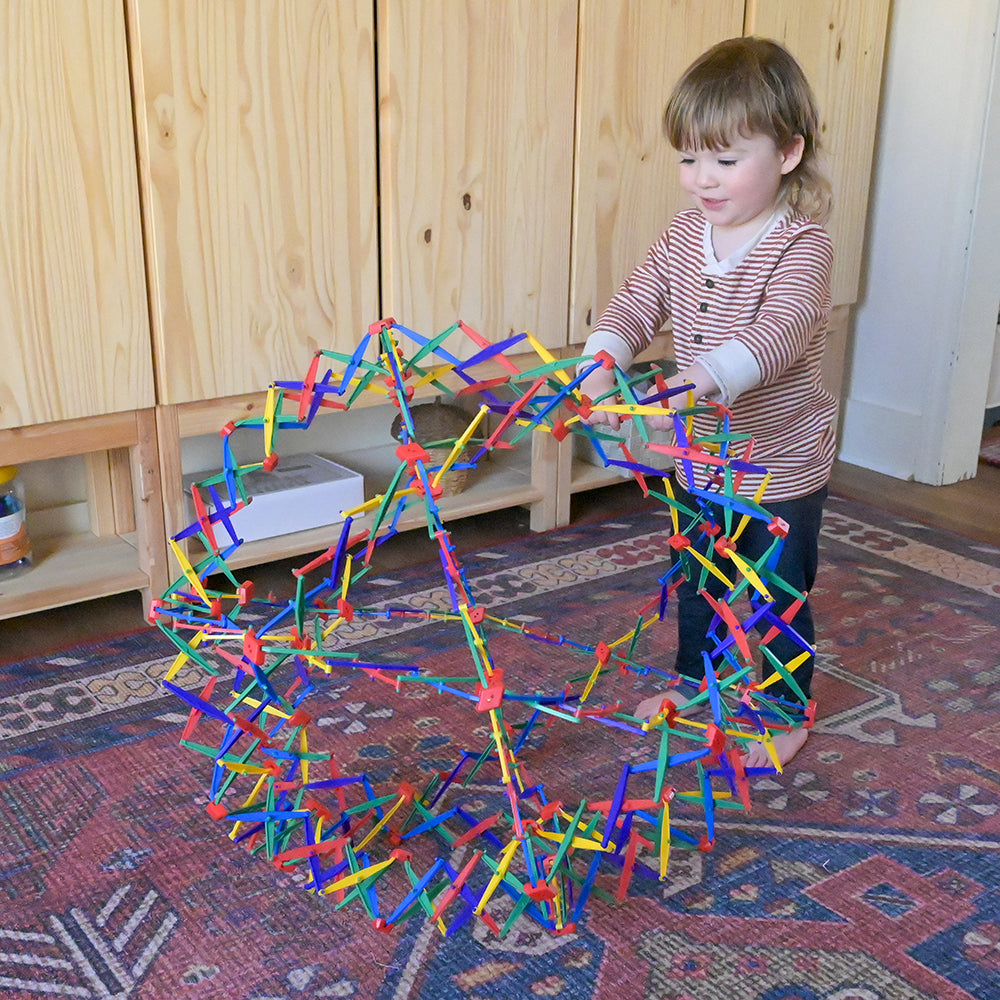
752, 86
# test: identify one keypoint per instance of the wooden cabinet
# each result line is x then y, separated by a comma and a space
284, 172
256, 135
626, 172
476, 110
841, 48
126, 546
475, 168
77, 376
74, 337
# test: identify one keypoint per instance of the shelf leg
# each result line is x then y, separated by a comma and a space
147, 500
546, 461
168, 435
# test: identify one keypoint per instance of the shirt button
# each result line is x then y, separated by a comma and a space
709, 283
703, 307
698, 338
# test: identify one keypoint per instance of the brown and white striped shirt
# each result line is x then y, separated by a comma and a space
757, 322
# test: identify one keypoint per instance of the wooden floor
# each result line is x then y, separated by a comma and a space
970, 508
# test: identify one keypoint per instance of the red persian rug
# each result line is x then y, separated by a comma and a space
989, 450
868, 870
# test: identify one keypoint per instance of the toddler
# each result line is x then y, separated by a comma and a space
744, 278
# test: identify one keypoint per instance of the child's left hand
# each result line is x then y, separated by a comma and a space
595, 385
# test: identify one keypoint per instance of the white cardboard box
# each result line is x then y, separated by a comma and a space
303, 491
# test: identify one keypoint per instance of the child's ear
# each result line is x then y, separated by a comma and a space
791, 154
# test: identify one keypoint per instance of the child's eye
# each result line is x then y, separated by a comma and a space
727, 163
687, 160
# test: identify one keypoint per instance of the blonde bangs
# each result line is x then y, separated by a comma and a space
704, 126
711, 113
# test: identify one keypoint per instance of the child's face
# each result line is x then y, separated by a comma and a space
737, 187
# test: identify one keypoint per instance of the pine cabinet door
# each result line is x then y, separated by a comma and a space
841, 48
476, 163
74, 331
631, 55
257, 141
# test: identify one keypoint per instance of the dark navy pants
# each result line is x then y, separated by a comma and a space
796, 566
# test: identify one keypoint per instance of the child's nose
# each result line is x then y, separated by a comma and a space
705, 175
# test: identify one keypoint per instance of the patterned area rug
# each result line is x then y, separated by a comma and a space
989, 450
867, 871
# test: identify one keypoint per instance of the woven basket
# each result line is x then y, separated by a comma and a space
437, 426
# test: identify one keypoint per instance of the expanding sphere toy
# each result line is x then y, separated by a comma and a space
257, 662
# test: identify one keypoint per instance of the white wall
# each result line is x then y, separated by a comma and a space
925, 325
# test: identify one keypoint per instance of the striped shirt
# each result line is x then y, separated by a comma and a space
757, 322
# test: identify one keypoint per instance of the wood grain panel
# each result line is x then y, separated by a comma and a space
74, 337
257, 142
476, 116
631, 55
840, 45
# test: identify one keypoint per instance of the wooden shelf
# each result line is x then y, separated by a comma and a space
523, 476
73, 568
504, 480
584, 476
127, 548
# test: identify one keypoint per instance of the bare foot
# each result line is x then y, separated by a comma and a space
650, 706
785, 745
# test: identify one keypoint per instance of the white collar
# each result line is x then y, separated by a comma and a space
718, 267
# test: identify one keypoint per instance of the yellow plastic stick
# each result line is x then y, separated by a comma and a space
304, 749
629, 636
664, 839
434, 375
269, 420
791, 667
591, 681
188, 570
635, 409
547, 357
709, 565
751, 574
248, 801
498, 742
502, 865
363, 508
182, 657
241, 768
577, 843
459, 445
359, 876
345, 580
668, 486
381, 823
757, 497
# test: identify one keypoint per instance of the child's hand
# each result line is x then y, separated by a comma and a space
595, 385
658, 423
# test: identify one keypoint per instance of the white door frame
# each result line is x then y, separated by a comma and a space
966, 387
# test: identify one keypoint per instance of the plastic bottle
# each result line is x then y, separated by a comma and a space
15, 547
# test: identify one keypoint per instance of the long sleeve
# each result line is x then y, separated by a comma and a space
637, 311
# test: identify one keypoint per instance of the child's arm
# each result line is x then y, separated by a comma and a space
601, 380
795, 304
635, 314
